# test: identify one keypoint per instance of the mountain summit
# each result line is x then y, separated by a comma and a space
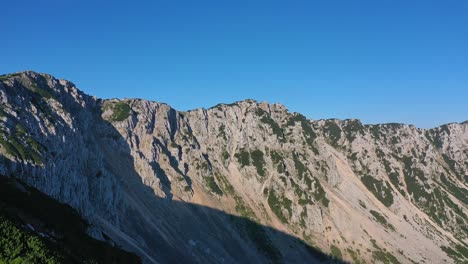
246, 182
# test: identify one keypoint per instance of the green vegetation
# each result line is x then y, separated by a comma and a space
38, 97
213, 186
41, 92
383, 256
34, 149
243, 157
266, 119
458, 192
411, 178
304, 174
258, 161
459, 173
303, 216
463, 249
243, 210
353, 128
450, 162
275, 127
20, 131
8, 76
335, 252
283, 179
278, 160
333, 132
226, 156
459, 253
445, 128
435, 139
26, 153
301, 169
20, 145
224, 184
395, 180
395, 140
393, 174
435, 203
353, 156
71, 243
277, 204
380, 189
382, 220
20, 246
307, 131
222, 132
121, 111
43, 107
10, 150
19, 148
393, 126
297, 189
376, 132
354, 256
320, 194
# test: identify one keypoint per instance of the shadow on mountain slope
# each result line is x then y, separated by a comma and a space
182, 233
179, 232
159, 230
37, 229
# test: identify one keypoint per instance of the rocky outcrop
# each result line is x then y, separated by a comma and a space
242, 182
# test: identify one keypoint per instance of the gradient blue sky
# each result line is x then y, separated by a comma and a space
380, 61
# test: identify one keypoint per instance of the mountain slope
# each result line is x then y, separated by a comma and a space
37, 229
168, 185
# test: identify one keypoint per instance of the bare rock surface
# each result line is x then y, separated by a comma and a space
244, 182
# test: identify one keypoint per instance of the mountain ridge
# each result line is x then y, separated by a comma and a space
233, 103
355, 191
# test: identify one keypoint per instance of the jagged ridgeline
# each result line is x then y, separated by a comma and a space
238, 183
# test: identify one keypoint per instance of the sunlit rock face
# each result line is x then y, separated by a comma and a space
244, 182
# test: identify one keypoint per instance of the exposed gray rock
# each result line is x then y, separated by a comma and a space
163, 183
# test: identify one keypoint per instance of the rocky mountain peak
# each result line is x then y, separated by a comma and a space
242, 182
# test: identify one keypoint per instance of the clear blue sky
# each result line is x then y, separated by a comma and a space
380, 61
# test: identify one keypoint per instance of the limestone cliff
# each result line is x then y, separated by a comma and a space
244, 182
